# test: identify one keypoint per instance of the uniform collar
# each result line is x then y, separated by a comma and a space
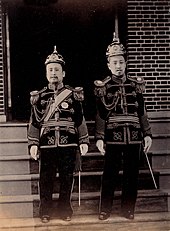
119, 80
55, 87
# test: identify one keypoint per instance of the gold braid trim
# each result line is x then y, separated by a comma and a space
36, 112
111, 106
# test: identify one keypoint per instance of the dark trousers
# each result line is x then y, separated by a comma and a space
115, 156
51, 160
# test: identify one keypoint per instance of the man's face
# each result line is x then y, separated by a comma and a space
55, 73
117, 65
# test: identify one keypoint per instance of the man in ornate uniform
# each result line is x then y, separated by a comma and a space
121, 123
57, 128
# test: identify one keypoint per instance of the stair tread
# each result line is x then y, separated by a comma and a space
14, 157
83, 220
18, 140
87, 173
163, 171
160, 152
154, 152
9, 124
18, 177
159, 115
84, 195
16, 198
35, 176
141, 193
89, 154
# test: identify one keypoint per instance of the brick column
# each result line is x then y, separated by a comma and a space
149, 49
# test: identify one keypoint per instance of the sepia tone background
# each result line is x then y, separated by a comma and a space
81, 31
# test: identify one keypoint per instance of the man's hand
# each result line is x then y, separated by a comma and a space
83, 149
147, 143
34, 152
100, 146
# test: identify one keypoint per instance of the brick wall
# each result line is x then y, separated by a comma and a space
149, 49
2, 103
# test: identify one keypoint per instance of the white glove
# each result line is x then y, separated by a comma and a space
83, 149
147, 143
34, 152
100, 146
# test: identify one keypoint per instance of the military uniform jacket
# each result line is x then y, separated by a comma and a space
121, 113
57, 118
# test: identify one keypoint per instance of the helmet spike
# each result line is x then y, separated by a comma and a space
55, 49
55, 57
115, 39
115, 48
114, 36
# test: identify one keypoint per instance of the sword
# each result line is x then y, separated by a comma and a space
151, 170
79, 186
78, 170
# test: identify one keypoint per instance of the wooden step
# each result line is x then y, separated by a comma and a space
143, 221
13, 147
164, 178
15, 177
160, 142
91, 181
16, 184
13, 130
160, 159
160, 126
16, 206
93, 161
147, 201
160, 122
28, 205
17, 164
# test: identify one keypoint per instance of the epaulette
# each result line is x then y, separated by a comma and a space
35, 95
138, 83
101, 83
78, 92
100, 89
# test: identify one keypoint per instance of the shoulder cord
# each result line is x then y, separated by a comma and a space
113, 104
36, 111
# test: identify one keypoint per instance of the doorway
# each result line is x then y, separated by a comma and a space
81, 31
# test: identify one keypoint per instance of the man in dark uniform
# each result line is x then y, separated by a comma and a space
57, 127
122, 123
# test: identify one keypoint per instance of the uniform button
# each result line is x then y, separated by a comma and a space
71, 110
134, 93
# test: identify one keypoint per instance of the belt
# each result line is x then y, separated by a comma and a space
53, 123
123, 119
